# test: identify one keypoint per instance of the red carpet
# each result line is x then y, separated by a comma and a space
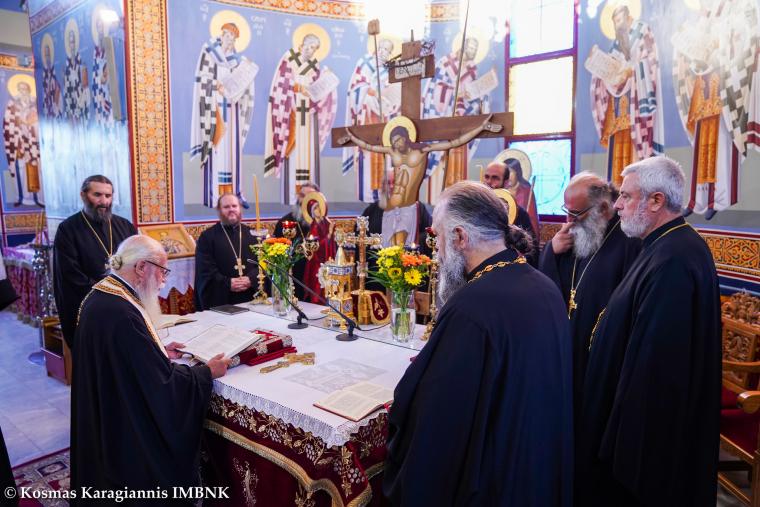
49, 473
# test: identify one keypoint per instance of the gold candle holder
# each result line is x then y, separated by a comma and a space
432, 242
261, 297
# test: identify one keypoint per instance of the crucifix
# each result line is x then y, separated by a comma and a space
288, 359
361, 241
400, 137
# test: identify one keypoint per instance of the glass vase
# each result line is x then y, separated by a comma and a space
403, 316
281, 299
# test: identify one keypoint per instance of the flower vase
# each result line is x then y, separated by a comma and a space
280, 299
403, 316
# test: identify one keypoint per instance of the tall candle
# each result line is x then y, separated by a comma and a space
256, 193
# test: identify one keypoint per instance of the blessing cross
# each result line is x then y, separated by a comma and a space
307, 358
409, 71
239, 266
362, 241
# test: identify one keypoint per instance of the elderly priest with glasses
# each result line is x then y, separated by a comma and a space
136, 417
483, 415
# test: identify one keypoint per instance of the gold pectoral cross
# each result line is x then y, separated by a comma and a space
307, 358
239, 266
572, 305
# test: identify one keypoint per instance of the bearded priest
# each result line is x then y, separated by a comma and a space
483, 415
587, 258
136, 417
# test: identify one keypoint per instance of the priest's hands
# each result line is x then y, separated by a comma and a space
218, 365
240, 284
172, 350
563, 240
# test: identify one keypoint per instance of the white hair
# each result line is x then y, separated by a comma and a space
133, 250
660, 174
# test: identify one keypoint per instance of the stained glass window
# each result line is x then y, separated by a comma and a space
550, 161
541, 96
540, 26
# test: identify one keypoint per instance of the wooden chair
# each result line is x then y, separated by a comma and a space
739, 418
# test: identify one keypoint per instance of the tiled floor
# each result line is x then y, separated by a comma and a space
35, 409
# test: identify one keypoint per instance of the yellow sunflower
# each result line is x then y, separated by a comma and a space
394, 273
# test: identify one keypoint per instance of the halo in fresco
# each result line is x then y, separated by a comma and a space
71, 26
324, 39
227, 16
395, 39
605, 18
402, 121
98, 12
47, 41
14, 81
521, 156
484, 43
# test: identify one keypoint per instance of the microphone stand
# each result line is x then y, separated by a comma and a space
350, 323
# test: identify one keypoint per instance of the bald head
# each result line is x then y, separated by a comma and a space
496, 174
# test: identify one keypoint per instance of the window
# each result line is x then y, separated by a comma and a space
540, 63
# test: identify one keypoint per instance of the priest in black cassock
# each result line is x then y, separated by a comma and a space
587, 259
83, 243
302, 228
651, 396
226, 269
136, 417
483, 415
496, 176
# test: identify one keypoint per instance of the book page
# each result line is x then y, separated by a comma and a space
237, 82
349, 405
219, 339
392, 96
381, 395
603, 65
483, 85
323, 86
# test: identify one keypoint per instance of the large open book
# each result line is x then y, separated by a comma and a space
357, 401
483, 85
323, 86
603, 65
219, 339
239, 80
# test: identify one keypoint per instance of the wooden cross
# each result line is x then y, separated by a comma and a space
239, 266
307, 358
362, 241
409, 71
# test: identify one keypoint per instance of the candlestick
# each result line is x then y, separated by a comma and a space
256, 193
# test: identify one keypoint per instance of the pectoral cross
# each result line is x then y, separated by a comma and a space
307, 358
572, 305
239, 266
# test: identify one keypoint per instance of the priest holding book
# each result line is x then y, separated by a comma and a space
136, 417
225, 266
484, 414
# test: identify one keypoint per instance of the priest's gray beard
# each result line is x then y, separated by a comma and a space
589, 234
453, 274
636, 226
148, 294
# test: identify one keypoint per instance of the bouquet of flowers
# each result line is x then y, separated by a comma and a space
276, 257
401, 271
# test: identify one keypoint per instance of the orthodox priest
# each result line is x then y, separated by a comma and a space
83, 244
587, 258
136, 417
225, 266
651, 395
483, 415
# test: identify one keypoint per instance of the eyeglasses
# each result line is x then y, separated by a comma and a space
576, 214
164, 271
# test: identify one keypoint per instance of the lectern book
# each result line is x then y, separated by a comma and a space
357, 401
219, 339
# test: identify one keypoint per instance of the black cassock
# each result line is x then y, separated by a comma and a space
651, 396
483, 415
136, 417
300, 266
6, 473
215, 263
608, 267
80, 262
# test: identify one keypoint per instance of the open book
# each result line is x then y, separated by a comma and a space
323, 86
603, 65
169, 320
357, 401
219, 339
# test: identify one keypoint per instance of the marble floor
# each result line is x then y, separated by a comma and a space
35, 409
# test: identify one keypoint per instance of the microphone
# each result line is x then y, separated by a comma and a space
350, 323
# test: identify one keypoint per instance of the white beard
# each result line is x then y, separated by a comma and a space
589, 234
148, 295
636, 226
453, 274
